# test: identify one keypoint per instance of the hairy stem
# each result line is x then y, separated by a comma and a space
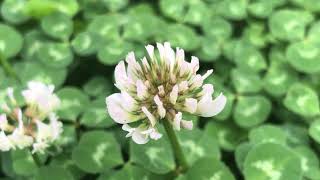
181, 163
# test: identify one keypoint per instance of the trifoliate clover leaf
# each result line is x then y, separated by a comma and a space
96, 152
209, 168
251, 110
246, 81
23, 163
304, 56
85, 43
33, 41
13, 11
180, 36
52, 173
44, 74
267, 133
10, 41
155, 156
73, 103
198, 145
55, 55
111, 53
41, 8
289, 24
247, 56
309, 162
278, 78
68, 136
95, 115
296, 134
131, 171
241, 153
261, 9
233, 9
57, 25
98, 86
115, 5
189, 11
302, 100
210, 49
228, 135
272, 161
314, 130
310, 5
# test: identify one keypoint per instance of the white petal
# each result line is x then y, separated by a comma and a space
162, 52
183, 86
11, 95
5, 144
194, 64
20, 140
150, 50
207, 74
150, 116
138, 137
187, 124
128, 103
190, 105
179, 56
169, 54
161, 109
121, 77
208, 107
207, 89
39, 147
145, 64
177, 120
129, 129
117, 112
133, 66
155, 135
142, 90
3, 122
174, 94
196, 81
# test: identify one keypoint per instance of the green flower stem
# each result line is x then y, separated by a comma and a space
181, 163
36, 159
8, 68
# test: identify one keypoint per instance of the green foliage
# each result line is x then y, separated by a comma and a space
266, 59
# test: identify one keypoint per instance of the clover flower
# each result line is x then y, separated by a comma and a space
159, 89
33, 125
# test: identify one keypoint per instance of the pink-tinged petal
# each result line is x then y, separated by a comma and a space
142, 90
133, 66
187, 124
208, 107
138, 137
196, 82
179, 56
121, 77
161, 109
169, 54
174, 94
128, 103
117, 112
194, 64
150, 117
190, 105
183, 86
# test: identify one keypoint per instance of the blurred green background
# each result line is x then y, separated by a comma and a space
266, 59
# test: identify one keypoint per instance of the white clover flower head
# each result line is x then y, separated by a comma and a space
160, 88
40, 98
35, 125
